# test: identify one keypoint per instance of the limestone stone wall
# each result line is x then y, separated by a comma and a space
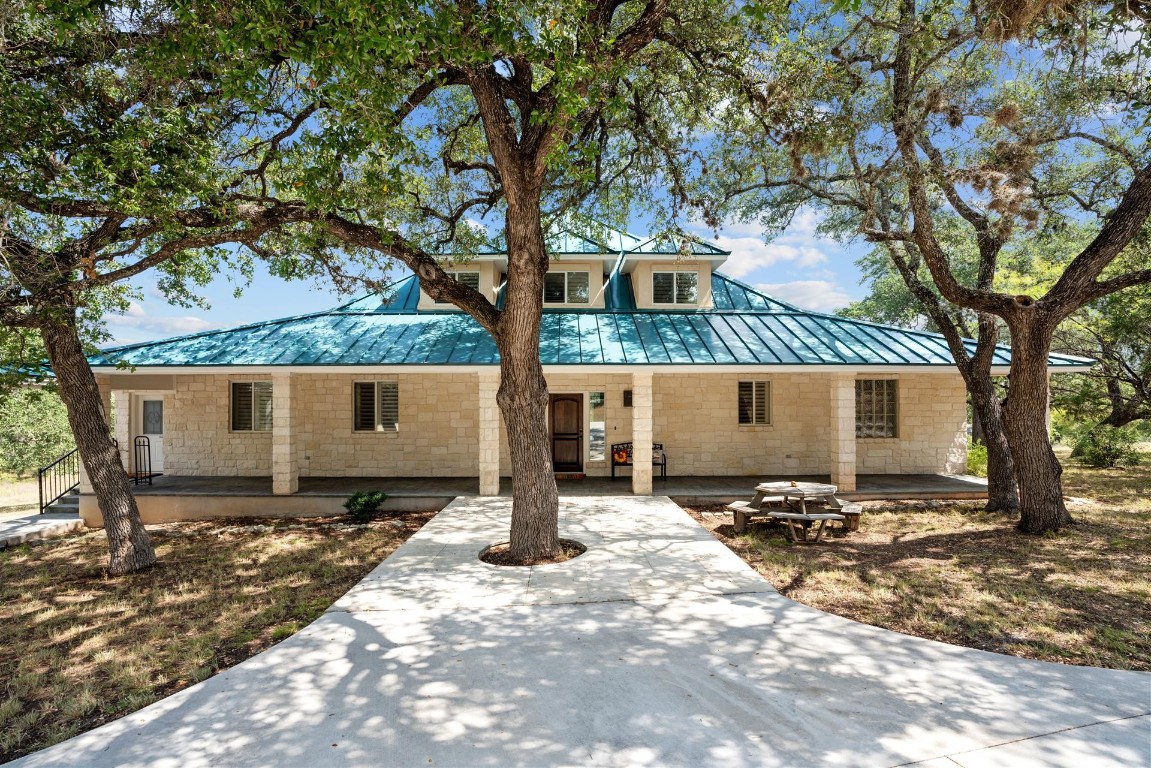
932, 418
696, 417
438, 433
197, 434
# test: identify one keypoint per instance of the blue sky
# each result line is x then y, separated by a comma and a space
798, 266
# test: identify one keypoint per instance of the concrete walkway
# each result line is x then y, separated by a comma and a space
17, 530
657, 647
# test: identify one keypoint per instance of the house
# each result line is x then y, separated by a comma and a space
643, 340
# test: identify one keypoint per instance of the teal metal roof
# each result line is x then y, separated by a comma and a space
746, 327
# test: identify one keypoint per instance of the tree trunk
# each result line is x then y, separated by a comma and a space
1002, 495
523, 393
129, 548
1037, 470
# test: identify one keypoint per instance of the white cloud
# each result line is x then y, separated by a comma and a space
799, 245
816, 295
135, 317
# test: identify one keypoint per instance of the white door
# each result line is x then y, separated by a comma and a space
150, 421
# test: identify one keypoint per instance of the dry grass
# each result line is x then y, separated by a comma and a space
18, 497
947, 571
78, 649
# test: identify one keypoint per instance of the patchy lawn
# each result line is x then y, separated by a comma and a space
18, 497
78, 649
947, 571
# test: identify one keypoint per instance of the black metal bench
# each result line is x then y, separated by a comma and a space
621, 457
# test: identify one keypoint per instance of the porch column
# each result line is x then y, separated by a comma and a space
121, 405
489, 437
641, 432
285, 466
842, 436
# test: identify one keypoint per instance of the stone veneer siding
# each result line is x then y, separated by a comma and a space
695, 416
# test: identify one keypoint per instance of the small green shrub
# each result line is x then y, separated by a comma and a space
976, 458
1107, 447
363, 506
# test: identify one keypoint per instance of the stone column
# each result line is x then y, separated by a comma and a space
285, 463
122, 405
641, 432
489, 437
842, 436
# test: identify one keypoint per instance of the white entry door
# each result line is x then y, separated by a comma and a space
150, 424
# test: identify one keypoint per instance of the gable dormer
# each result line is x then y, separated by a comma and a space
667, 275
484, 273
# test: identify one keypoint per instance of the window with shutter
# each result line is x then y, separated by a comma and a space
674, 287
578, 288
754, 402
376, 406
251, 406
364, 402
876, 408
389, 398
663, 287
470, 279
567, 288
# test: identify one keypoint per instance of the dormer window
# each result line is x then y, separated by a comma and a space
470, 279
675, 287
566, 288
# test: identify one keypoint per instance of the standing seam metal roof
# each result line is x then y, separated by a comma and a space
746, 327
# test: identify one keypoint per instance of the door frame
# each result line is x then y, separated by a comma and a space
136, 426
583, 417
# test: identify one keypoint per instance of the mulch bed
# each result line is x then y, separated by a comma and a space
499, 554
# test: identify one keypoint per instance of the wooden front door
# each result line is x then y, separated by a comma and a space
565, 419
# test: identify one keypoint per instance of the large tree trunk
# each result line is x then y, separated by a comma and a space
523, 393
1037, 470
1002, 495
129, 548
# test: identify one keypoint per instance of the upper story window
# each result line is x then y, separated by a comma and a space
876, 408
675, 287
251, 406
566, 288
470, 279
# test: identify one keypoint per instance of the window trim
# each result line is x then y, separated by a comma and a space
675, 287
895, 414
587, 427
769, 413
377, 406
253, 383
567, 293
455, 275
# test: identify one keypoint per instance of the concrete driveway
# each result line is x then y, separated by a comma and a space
657, 647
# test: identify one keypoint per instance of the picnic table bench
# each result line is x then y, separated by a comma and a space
773, 501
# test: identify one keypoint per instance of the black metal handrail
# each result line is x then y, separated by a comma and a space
58, 479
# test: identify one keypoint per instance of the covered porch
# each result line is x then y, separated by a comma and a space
182, 498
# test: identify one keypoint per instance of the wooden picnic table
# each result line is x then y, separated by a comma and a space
798, 518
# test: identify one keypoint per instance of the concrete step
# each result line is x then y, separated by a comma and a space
69, 503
